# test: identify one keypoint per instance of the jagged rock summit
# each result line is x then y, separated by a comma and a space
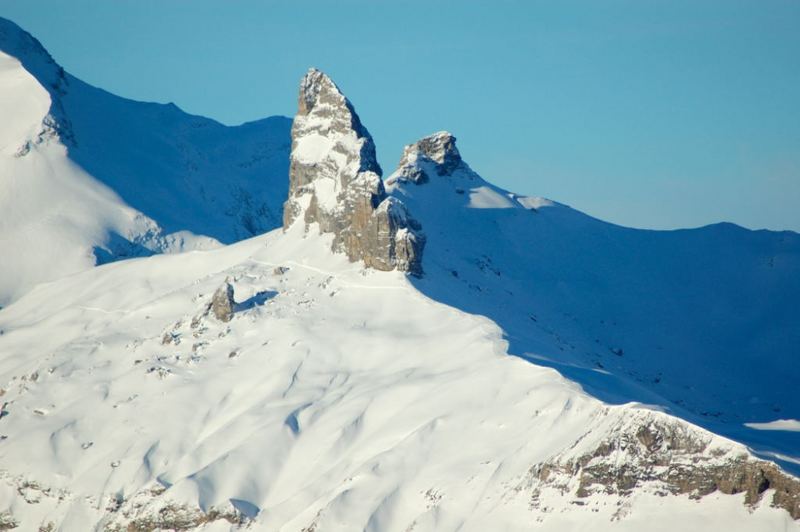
435, 154
335, 182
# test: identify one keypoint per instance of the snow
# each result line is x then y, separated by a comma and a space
317, 142
533, 202
339, 397
325, 192
23, 104
312, 148
89, 177
486, 198
701, 322
792, 425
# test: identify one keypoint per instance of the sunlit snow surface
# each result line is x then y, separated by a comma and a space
792, 425
335, 396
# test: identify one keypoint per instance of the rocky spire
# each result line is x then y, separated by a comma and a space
335, 182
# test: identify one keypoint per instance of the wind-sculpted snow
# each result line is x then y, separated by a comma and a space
344, 400
87, 177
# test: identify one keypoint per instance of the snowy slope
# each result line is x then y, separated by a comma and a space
87, 177
703, 322
337, 398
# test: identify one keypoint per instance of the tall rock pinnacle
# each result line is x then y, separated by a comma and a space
335, 182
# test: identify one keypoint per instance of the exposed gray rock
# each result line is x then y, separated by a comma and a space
434, 155
335, 182
222, 304
670, 457
7, 521
170, 516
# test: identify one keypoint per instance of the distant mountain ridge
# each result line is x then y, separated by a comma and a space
88, 177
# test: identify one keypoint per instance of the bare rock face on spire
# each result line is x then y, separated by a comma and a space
335, 181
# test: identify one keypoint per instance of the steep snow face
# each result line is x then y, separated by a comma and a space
336, 398
52, 210
702, 322
23, 103
87, 177
335, 183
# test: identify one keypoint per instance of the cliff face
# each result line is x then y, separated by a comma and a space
335, 182
649, 451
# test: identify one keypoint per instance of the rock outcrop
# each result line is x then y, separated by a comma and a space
434, 155
667, 457
335, 182
222, 304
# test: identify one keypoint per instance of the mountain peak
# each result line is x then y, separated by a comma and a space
316, 86
435, 154
439, 147
24, 47
18, 42
335, 182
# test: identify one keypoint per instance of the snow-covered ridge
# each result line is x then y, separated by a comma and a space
638, 306
24, 47
87, 177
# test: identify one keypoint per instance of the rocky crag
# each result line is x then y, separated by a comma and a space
653, 452
222, 304
434, 155
335, 182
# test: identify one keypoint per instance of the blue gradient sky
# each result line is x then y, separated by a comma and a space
654, 114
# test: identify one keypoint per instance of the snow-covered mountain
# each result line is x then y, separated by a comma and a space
702, 321
428, 352
87, 177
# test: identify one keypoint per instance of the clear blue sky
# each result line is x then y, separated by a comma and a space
645, 113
